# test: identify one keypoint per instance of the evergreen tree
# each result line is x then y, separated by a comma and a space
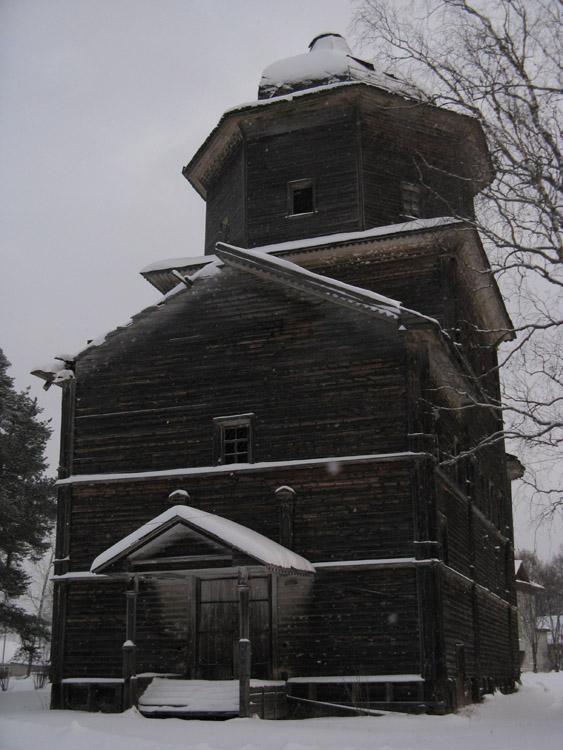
27, 501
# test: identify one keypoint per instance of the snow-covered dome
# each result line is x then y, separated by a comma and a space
328, 61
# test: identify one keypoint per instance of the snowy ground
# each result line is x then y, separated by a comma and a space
530, 719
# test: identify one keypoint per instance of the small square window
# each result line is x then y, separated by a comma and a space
301, 197
234, 439
411, 196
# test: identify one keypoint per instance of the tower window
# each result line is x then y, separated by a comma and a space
224, 229
411, 196
301, 197
234, 439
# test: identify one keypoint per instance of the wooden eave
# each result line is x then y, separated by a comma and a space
164, 279
231, 128
295, 277
448, 369
475, 273
459, 238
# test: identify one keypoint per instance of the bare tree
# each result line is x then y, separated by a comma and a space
34, 642
550, 603
501, 62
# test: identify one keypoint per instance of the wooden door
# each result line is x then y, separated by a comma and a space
218, 628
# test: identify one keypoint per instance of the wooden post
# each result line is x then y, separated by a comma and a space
244, 609
286, 500
244, 649
244, 657
129, 650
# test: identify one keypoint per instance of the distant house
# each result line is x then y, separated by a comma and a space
265, 476
551, 628
531, 636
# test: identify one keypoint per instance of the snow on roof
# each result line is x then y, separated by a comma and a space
245, 540
384, 305
343, 238
327, 288
55, 372
166, 263
312, 243
554, 625
328, 61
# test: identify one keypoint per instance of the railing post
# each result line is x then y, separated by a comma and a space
244, 656
129, 650
244, 649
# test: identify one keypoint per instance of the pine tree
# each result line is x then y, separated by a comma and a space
27, 501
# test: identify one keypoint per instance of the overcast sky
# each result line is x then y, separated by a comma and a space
102, 103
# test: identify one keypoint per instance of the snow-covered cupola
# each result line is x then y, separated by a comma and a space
328, 61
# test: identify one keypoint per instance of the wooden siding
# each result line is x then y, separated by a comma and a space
459, 625
226, 200
398, 146
341, 512
94, 629
325, 152
354, 622
497, 657
415, 282
321, 380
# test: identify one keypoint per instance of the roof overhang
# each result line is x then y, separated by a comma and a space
291, 275
246, 541
230, 131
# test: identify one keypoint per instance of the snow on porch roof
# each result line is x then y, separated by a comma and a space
239, 537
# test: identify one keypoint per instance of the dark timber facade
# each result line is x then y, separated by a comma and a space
312, 378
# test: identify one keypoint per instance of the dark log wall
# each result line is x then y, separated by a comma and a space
94, 629
321, 147
428, 283
459, 624
321, 380
399, 147
496, 638
226, 203
480, 475
475, 547
413, 282
353, 622
341, 512
163, 622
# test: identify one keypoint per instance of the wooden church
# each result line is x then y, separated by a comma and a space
270, 497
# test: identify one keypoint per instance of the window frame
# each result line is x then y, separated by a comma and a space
220, 426
411, 200
292, 187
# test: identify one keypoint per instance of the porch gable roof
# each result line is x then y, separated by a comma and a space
245, 540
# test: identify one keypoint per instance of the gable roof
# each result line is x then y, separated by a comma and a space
249, 542
291, 275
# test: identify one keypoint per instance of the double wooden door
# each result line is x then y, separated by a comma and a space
190, 626
217, 628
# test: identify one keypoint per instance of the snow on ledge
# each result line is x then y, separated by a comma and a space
245, 540
351, 679
343, 238
368, 563
333, 464
314, 242
97, 680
